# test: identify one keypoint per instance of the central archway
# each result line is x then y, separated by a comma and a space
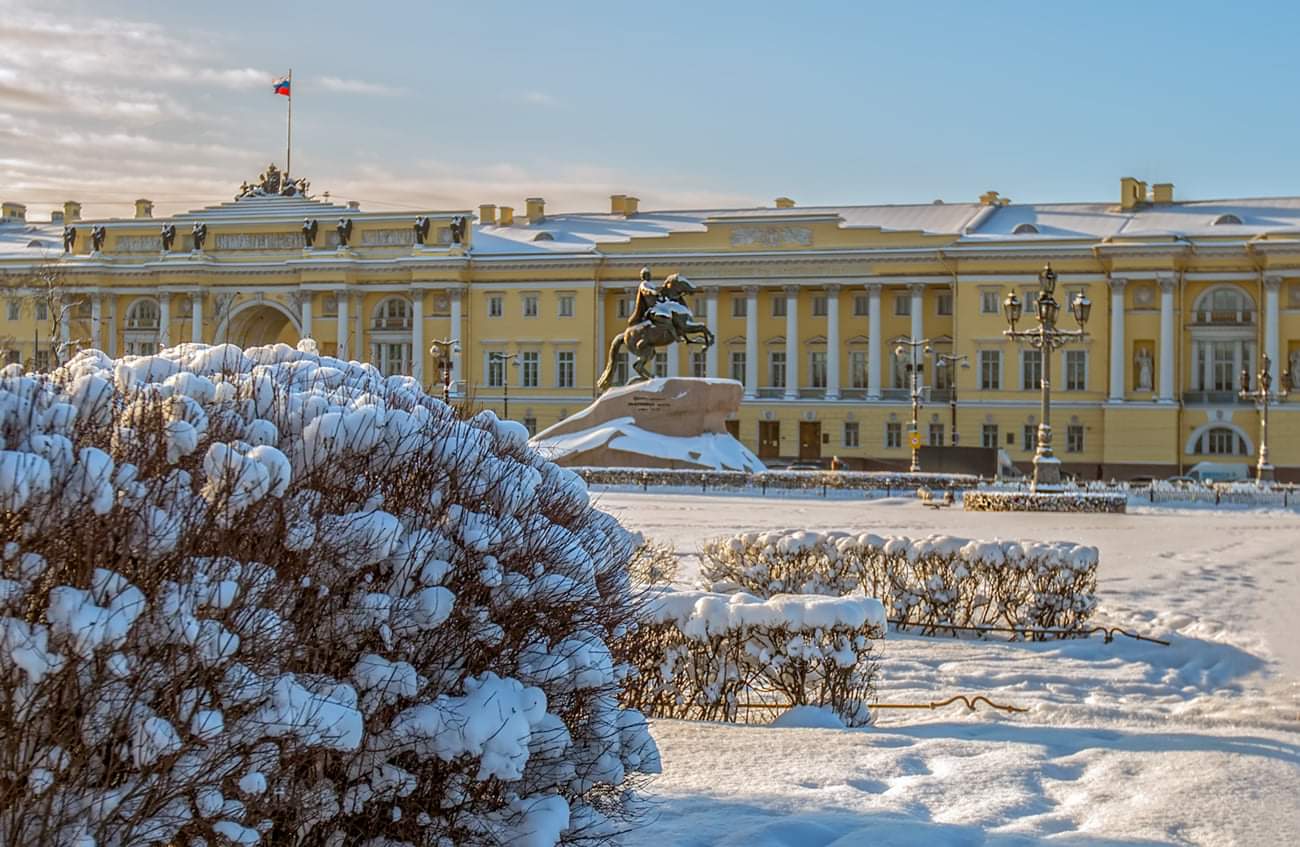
257, 324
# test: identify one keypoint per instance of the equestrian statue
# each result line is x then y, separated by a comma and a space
659, 318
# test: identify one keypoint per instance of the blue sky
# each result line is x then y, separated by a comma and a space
437, 105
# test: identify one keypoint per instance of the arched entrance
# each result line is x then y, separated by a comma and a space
257, 324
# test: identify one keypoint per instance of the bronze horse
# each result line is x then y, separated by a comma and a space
667, 321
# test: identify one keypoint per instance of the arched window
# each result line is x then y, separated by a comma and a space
1025, 229
1225, 304
142, 314
1227, 220
393, 313
543, 236
1221, 441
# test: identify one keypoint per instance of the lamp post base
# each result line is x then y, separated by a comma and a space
1264, 473
1047, 473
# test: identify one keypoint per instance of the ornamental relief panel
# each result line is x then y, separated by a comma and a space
771, 236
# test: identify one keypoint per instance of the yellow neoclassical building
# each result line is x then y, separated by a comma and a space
808, 305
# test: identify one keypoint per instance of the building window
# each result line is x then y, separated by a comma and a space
1029, 434
621, 368
13, 310
989, 436
1074, 438
530, 424
12, 357
699, 367
660, 368
861, 305
943, 303
139, 348
1031, 370
530, 305
495, 306
143, 314
944, 374
496, 372
1225, 366
817, 363
391, 358
624, 307
393, 313
565, 362
738, 366
1221, 441
531, 362
739, 305
852, 435
43, 311
778, 306
566, 305
990, 370
902, 304
43, 359
893, 435
1076, 370
989, 302
858, 368
936, 435
819, 305
776, 369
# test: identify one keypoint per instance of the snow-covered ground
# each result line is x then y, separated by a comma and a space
1124, 743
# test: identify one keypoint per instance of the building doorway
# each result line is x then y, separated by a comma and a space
810, 439
769, 439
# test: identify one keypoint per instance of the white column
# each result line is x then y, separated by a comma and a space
343, 298
196, 320
417, 336
601, 344
1166, 386
873, 341
918, 311
1117, 339
751, 341
112, 327
358, 336
455, 333
1272, 284
832, 342
65, 333
792, 349
96, 321
711, 321
164, 319
305, 313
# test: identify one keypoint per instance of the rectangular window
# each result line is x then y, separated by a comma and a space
530, 424
565, 364
1031, 370
852, 435
1225, 371
531, 367
1029, 436
861, 305
621, 368
943, 303
12, 357
624, 307
42, 311
660, 368
566, 305
817, 363
496, 305
990, 370
989, 436
1076, 370
1074, 438
936, 435
989, 302
699, 367
819, 305
738, 366
530, 305
778, 306
13, 310
43, 359
893, 435
902, 304
776, 369
858, 368
496, 372
739, 305
943, 374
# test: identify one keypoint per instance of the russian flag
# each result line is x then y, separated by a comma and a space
282, 85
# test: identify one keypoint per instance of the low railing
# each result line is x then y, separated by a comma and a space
1214, 398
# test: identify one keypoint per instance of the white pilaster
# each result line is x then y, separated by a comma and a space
711, 321
918, 311
873, 341
97, 321
65, 333
792, 342
305, 313
455, 332
417, 336
164, 319
359, 337
751, 341
343, 299
674, 356
1166, 386
832, 342
196, 317
1272, 285
112, 327
601, 344
1117, 345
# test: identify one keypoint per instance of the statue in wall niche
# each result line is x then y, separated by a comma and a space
1142, 365
309, 229
97, 235
661, 318
1294, 366
168, 237
69, 239
344, 229
200, 233
459, 227
421, 229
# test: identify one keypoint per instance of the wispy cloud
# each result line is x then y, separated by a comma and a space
535, 98
355, 86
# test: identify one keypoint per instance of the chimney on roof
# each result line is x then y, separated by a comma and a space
536, 208
990, 198
1132, 193
784, 203
630, 205
487, 214
617, 204
354, 205
56, 217
1162, 193
144, 208
506, 216
71, 211
10, 212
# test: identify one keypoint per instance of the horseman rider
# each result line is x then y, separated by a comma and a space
658, 303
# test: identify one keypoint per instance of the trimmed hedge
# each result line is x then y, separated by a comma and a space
1029, 501
775, 480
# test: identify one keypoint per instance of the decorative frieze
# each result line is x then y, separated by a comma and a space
771, 236
258, 241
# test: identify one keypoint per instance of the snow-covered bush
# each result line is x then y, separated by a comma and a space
706, 656
1054, 501
270, 597
931, 583
653, 563
776, 480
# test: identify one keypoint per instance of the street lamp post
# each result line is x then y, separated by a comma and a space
914, 368
441, 350
1261, 396
503, 358
1046, 337
948, 360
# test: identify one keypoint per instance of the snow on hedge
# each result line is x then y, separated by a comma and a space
264, 596
705, 655
929, 582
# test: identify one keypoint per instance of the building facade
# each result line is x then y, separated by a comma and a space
808, 305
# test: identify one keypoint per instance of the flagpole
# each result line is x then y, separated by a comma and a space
288, 144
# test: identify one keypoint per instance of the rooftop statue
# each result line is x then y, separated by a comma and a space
660, 318
273, 182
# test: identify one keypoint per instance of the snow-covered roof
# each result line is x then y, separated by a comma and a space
1101, 220
19, 239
